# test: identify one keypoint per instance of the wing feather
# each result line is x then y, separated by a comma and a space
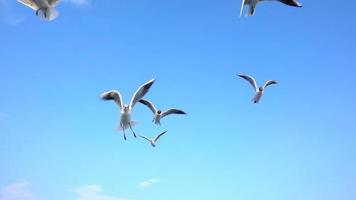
141, 92
149, 105
113, 95
158, 136
268, 83
250, 79
173, 111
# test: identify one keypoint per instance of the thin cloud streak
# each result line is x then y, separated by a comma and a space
18, 191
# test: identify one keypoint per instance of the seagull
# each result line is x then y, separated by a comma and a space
158, 113
153, 141
125, 118
44, 8
259, 90
253, 4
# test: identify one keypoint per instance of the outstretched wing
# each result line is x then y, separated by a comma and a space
146, 138
158, 136
250, 79
149, 105
142, 91
30, 3
173, 111
268, 83
113, 95
242, 7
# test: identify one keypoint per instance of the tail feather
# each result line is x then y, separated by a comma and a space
133, 123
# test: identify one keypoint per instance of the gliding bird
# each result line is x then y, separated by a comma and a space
253, 4
259, 90
153, 141
125, 118
44, 8
158, 114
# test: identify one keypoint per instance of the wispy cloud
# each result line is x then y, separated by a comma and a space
6, 14
148, 183
18, 191
79, 2
93, 192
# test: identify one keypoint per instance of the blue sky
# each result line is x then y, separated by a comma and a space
57, 138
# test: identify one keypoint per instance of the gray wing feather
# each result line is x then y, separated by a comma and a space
141, 92
250, 79
149, 105
158, 136
173, 111
113, 95
146, 138
268, 83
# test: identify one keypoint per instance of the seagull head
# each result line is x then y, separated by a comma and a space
126, 107
260, 89
159, 112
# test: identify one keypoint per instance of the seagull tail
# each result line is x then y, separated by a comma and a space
251, 11
133, 123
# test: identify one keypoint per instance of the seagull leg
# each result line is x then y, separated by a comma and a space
132, 130
123, 130
37, 11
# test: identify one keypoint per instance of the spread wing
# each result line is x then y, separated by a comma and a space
146, 138
158, 136
173, 111
242, 7
30, 3
250, 79
142, 91
113, 95
149, 105
268, 83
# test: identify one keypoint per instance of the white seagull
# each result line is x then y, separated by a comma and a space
125, 119
259, 90
158, 114
44, 8
153, 141
253, 4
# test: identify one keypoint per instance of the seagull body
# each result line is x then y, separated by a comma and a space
44, 8
154, 140
126, 110
253, 3
259, 90
158, 114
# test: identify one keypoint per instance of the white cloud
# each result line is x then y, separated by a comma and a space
93, 192
148, 183
18, 191
79, 2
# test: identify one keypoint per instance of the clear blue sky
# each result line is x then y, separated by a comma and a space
299, 143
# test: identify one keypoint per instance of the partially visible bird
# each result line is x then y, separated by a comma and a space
253, 4
154, 140
259, 90
44, 8
125, 117
158, 114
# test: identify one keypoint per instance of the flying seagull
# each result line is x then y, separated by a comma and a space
153, 141
158, 113
125, 119
44, 8
253, 4
259, 90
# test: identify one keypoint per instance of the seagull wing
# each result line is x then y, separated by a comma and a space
250, 79
30, 3
173, 111
268, 83
142, 91
242, 7
149, 105
158, 136
146, 138
113, 95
